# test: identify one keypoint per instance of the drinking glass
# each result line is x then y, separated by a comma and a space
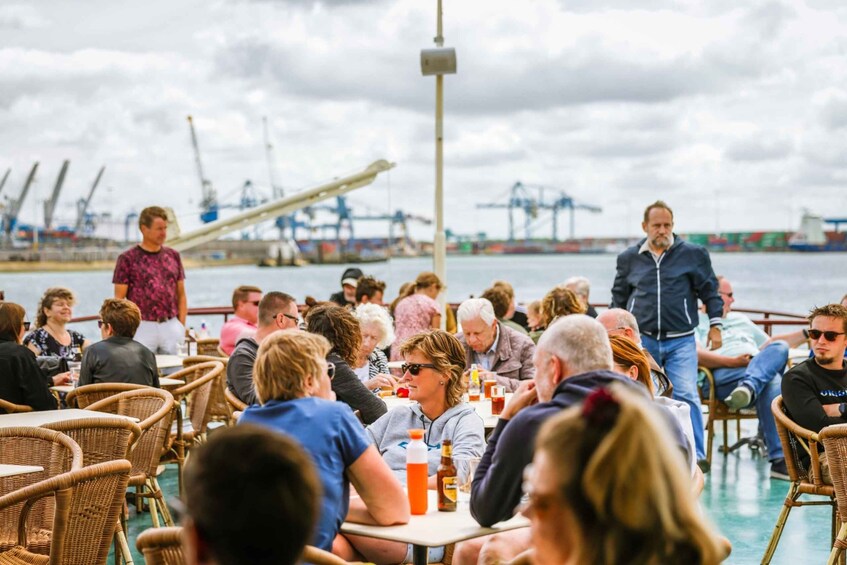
74, 367
498, 400
182, 349
488, 383
465, 470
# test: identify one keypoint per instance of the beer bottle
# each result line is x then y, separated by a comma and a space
447, 483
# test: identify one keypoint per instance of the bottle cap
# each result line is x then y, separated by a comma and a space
416, 433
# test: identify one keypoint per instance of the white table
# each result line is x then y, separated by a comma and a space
15, 470
433, 529
168, 361
36, 419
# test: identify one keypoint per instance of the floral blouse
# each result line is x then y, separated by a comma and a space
49, 347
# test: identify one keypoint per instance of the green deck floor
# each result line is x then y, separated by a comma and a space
740, 498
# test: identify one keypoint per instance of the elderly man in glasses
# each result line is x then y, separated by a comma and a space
748, 368
815, 391
245, 306
277, 311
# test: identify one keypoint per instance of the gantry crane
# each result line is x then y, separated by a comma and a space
209, 202
10, 215
50, 205
5, 178
83, 218
523, 197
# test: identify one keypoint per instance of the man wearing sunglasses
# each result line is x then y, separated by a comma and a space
277, 311
748, 368
815, 391
245, 306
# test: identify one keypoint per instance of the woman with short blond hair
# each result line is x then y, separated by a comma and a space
293, 385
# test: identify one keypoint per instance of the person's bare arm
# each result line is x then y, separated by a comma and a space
793, 339
435, 323
714, 341
181, 302
711, 360
382, 498
121, 290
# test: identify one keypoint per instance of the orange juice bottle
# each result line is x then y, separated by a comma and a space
417, 472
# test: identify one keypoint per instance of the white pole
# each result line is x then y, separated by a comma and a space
439, 252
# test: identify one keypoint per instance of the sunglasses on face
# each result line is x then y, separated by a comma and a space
726, 294
829, 336
330, 370
101, 323
26, 326
414, 369
254, 302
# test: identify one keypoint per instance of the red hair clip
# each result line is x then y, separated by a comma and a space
600, 408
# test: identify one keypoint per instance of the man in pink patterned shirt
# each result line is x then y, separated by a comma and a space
245, 303
151, 276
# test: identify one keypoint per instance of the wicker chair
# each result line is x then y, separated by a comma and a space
209, 346
201, 380
86, 395
161, 546
234, 402
12, 408
720, 412
798, 443
87, 503
101, 440
154, 408
221, 411
56, 453
834, 440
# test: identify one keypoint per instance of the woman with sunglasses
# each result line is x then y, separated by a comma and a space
118, 358
433, 371
21, 381
51, 338
292, 382
605, 487
341, 328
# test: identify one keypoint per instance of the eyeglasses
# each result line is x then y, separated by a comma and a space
829, 336
253, 302
534, 501
725, 293
26, 327
330, 370
101, 323
414, 369
294, 319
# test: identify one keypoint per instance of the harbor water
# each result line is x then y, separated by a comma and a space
787, 282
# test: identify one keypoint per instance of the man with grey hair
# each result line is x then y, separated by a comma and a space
495, 348
573, 358
277, 311
581, 286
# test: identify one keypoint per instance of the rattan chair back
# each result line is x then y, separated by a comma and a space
235, 403
834, 440
208, 346
88, 502
84, 396
101, 439
12, 408
201, 380
154, 409
55, 453
161, 546
220, 410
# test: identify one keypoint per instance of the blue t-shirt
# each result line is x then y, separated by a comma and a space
334, 438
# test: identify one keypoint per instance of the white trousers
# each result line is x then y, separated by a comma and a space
161, 338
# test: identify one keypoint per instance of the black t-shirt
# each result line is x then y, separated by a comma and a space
807, 387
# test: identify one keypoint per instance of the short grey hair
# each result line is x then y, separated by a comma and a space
476, 308
579, 285
580, 341
374, 314
623, 319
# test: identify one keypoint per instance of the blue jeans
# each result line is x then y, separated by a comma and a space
764, 376
678, 357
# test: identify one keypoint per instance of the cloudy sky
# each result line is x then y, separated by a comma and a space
733, 111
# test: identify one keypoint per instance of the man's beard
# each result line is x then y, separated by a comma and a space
660, 242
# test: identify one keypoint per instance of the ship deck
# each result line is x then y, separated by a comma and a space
739, 497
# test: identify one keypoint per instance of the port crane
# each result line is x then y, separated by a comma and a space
209, 202
531, 199
5, 178
10, 215
50, 205
83, 218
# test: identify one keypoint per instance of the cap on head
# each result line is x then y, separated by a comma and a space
351, 275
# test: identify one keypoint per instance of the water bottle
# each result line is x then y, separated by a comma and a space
417, 472
204, 331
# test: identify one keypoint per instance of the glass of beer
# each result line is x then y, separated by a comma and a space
498, 399
488, 383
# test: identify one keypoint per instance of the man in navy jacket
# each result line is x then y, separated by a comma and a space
660, 280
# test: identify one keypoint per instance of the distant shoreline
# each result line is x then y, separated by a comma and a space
70, 266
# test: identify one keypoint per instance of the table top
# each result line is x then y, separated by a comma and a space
14, 470
435, 528
483, 408
35, 419
168, 361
